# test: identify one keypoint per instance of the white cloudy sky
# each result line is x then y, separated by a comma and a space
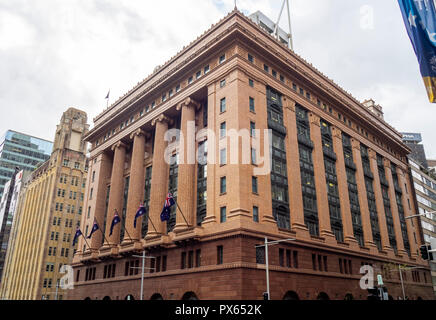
56, 54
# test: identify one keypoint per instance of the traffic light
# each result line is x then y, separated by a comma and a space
265, 296
430, 254
424, 252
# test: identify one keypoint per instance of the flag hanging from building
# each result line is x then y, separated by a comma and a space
141, 212
95, 227
107, 96
420, 19
115, 221
76, 236
169, 202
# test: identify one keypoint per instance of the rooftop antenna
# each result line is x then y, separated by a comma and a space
276, 30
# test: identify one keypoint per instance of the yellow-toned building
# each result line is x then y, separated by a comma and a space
49, 210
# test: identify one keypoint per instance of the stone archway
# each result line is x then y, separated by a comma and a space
190, 296
348, 297
87, 299
323, 296
129, 297
156, 296
107, 298
291, 295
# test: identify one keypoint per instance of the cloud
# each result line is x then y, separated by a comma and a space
56, 54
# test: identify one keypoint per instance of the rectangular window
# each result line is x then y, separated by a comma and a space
206, 69
255, 214
178, 88
198, 74
313, 261
252, 129
190, 259
223, 214
266, 68
223, 105
288, 258
254, 185
190, 80
198, 258
223, 83
252, 107
222, 58
274, 74
223, 131
282, 78
281, 257
223, 157
295, 258
253, 156
251, 83
164, 263
223, 185
250, 58
220, 255
260, 255
183, 262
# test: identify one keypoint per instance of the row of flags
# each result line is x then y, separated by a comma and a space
164, 216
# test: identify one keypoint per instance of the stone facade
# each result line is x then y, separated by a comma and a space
235, 77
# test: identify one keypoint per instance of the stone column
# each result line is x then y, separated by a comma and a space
116, 192
363, 198
344, 196
394, 209
320, 180
212, 156
294, 174
136, 187
159, 177
407, 211
103, 170
186, 180
379, 202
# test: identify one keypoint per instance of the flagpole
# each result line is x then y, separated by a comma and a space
152, 223
182, 213
125, 229
104, 236
84, 238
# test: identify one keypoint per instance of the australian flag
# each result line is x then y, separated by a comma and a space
95, 227
77, 235
420, 19
141, 212
115, 221
169, 202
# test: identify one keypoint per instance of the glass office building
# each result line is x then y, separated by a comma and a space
23, 151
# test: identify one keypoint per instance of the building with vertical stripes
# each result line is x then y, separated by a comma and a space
49, 210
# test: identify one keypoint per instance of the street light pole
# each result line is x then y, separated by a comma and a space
267, 267
267, 260
402, 283
143, 272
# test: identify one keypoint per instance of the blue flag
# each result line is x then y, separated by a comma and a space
141, 212
76, 236
115, 221
420, 19
166, 211
95, 227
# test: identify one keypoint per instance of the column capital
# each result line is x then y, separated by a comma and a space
161, 118
314, 119
138, 132
387, 163
355, 144
336, 132
372, 154
189, 102
119, 145
289, 103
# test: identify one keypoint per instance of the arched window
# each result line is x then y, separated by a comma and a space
323, 296
291, 295
189, 296
156, 296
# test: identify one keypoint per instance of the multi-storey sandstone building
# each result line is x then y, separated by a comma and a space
339, 182
49, 210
